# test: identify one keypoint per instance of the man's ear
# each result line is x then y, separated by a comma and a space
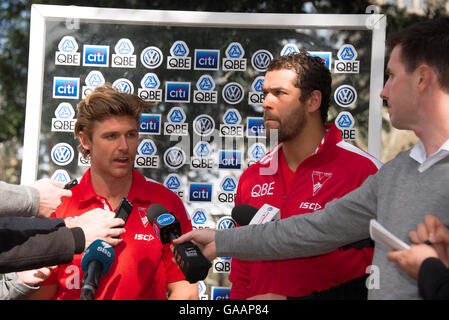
424, 76
313, 102
85, 140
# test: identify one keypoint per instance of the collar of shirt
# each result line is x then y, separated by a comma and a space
418, 153
137, 190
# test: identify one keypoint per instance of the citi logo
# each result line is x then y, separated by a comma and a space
150, 123
230, 159
65, 88
256, 127
97, 56
206, 59
200, 192
177, 92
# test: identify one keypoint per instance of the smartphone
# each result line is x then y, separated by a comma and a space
124, 209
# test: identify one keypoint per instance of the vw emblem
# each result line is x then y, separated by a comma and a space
225, 223
174, 157
203, 125
151, 57
261, 59
232, 93
62, 154
124, 85
345, 96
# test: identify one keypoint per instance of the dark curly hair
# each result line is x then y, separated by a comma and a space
312, 74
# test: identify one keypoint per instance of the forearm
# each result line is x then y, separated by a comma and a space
12, 288
40, 250
341, 222
18, 200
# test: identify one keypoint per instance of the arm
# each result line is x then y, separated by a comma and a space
433, 280
18, 200
342, 221
182, 290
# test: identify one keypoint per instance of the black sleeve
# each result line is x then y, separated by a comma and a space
30, 243
433, 280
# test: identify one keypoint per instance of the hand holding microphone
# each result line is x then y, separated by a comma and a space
187, 255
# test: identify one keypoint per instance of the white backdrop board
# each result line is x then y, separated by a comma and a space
205, 71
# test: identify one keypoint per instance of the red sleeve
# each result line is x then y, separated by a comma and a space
240, 279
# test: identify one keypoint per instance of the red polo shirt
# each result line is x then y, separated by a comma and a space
142, 265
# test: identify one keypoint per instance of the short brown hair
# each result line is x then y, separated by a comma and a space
103, 103
311, 74
425, 42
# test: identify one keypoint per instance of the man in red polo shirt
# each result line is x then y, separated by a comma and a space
143, 268
309, 167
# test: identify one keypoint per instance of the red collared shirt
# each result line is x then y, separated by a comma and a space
142, 266
335, 169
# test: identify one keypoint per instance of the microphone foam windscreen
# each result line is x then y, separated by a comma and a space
101, 251
243, 213
155, 210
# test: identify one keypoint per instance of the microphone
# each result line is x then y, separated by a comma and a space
245, 214
188, 256
96, 261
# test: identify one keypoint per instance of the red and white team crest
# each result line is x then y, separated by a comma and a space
143, 216
319, 179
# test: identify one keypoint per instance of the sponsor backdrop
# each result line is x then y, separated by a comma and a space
206, 127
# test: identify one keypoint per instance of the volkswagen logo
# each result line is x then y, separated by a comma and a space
232, 93
203, 125
261, 59
62, 154
225, 223
151, 57
174, 157
345, 96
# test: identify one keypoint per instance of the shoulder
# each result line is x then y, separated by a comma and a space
355, 156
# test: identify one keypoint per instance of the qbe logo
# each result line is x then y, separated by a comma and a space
255, 127
261, 59
151, 57
205, 92
206, 59
124, 57
228, 187
345, 95
199, 218
345, 123
231, 126
177, 92
289, 48
255, 152
150, 124
146, 155
202, 156
347, 63
234, 60
222, 265
256, 96
200, 192
233, 93
325, 56
64, 121
95, 56
149, 90
67, 54
66, 88
60, 176
230, 159
173, 182
94, 79
179, 59
62, 154
176, 125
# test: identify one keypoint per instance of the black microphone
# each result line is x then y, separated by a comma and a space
188, 256
245, 214
97, 260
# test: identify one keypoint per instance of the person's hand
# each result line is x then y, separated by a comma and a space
410, 260
50, 193
434, 231
98, 224
35, 277
204, 239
